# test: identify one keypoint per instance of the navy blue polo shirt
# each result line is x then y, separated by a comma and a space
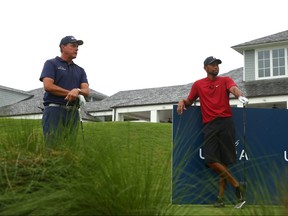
67, 76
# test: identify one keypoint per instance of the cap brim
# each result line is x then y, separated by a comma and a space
80, 42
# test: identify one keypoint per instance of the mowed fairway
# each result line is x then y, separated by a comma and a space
123, 168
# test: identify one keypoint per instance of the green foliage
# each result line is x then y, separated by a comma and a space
123, 168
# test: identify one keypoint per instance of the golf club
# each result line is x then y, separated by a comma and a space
244, 183
81, 123
82, 102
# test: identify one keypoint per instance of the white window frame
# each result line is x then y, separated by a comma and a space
271, 63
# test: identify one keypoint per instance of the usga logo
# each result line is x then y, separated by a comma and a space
241, 156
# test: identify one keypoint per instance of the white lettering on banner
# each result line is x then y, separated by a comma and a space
200, 154
243, 155
237, 142
285, 156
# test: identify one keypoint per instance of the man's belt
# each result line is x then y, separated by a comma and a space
62, 106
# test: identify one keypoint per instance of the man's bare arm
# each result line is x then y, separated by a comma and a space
182, 104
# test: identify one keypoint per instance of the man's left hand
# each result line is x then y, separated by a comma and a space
243, 100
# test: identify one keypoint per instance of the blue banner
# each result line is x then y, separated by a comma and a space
262, 157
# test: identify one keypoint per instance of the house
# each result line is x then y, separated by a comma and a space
152, 104
265, 73
10, 96
263, 79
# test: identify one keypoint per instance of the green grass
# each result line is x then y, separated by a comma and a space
123, 168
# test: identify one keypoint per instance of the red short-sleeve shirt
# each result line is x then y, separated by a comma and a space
213, 96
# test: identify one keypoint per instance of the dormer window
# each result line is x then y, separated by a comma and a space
271, 63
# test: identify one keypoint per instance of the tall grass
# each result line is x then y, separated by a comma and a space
123, 168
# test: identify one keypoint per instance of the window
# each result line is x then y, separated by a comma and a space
278, 59
271, 63
264, 63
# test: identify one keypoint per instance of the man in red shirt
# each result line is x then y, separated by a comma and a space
219, 130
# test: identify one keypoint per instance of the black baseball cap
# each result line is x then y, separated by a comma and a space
70, 39
210, 60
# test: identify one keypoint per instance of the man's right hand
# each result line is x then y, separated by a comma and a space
72, 95
181, 107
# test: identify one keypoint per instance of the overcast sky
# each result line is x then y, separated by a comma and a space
131, 44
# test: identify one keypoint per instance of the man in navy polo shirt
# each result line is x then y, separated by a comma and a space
63, 82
